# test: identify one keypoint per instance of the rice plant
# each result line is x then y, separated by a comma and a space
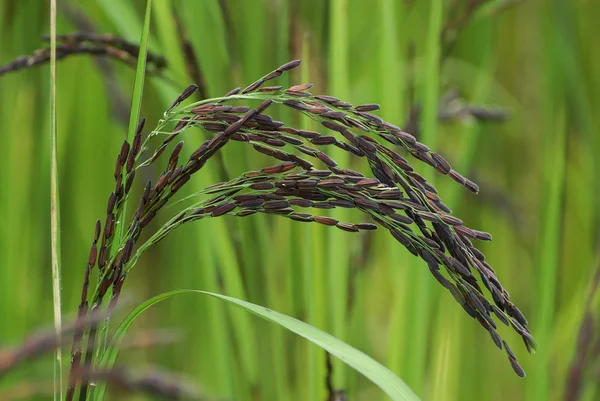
343, 168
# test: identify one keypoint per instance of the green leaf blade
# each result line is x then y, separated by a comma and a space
385, 379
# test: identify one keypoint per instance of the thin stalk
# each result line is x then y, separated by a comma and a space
417, 354
553, 170
54, 204
136, 101
337, 255
313, 269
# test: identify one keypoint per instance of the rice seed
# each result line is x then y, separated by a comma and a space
223, 209
233, 128
203, 108
158, 153
261, 107
319, 173
123, 153
284, 211
147, 219
516, 313
270, 88
215, 127
297, 94
328, 221
481, 235
286, 184
334, 115
97, 229
129, 182
240, 137
327, 99
373, 119
246, 197
333, 126
496, 338
189, 91
111, 203
317, 110
273, 75
441, 164
306, 183
127, 250
365, 226
93, 255
291, 140
170, 138
300, 88
303, 217
368, 182
175, 153
324, 140
301, 202
287, 192
109, 226
432, 243
347, 227
342, 203
440, 278
326, 159
275, 142
401, 238
221, 109
130, 162
478, 254
367, 107
176, 186
198, 152
342, 105
331, 182
471, 186
102, 257
250, 204
262, 186
280, 168
313, 196
453, 221
253, 86
401, 219
295, 104
516, 367
137, 144
457, 177
308, 134
162, 181
460, 267
273, 205
233, 92
322, 205
289, 65
366, 203
500, 315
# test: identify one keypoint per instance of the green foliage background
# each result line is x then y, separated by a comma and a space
538, 60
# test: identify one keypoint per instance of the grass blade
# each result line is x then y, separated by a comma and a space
138, 90
54, 204
393, 386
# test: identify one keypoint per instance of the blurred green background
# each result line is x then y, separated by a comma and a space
437, 68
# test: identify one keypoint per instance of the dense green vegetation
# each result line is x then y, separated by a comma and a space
506, 93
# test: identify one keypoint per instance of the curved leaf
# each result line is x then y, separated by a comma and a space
385, 379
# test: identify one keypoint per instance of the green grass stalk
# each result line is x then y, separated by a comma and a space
54, 206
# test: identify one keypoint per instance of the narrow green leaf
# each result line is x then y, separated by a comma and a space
138, 90
54, 204
393, 386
